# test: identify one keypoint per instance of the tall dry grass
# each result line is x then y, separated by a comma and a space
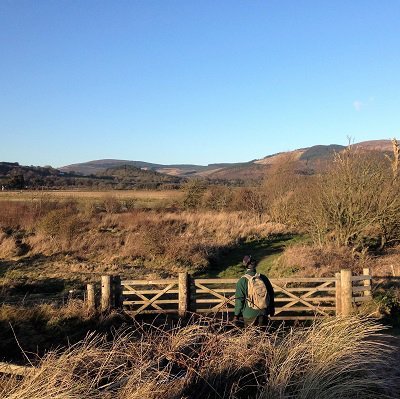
38, 328
169, 241
334, 358
311, 260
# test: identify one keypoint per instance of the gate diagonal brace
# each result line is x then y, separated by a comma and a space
297, 299
218, 306
224, 300
141, 296
154, 298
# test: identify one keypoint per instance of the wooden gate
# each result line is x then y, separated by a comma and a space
296, 298
212, 295
304, 298
150, 296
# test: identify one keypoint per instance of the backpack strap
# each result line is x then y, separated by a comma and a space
248, 278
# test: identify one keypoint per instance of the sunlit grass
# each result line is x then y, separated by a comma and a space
334, 358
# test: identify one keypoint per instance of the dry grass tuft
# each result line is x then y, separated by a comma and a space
334, 358
8, 246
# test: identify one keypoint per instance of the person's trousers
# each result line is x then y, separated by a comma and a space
261, 320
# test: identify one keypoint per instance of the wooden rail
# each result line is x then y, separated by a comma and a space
296, 298
13, 369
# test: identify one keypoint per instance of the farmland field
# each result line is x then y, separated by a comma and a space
143, 197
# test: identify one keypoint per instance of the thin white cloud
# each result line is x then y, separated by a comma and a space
358, 105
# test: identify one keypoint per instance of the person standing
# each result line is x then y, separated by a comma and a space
254, 297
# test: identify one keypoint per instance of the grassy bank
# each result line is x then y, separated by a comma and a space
336, 358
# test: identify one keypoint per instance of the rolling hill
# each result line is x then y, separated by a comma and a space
124, 174
308, 160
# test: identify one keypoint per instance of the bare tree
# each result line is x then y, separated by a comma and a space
356, 203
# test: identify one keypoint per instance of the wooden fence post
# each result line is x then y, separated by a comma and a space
338, 296
105, 293
346, 289
367, 283
90, 298
183, 295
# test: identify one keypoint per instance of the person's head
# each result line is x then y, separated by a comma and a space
249, 262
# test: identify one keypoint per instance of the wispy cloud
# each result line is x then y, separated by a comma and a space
358, 105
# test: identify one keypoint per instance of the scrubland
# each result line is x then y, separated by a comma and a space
346, 217
140, 241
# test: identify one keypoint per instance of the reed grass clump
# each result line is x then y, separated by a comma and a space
334, 358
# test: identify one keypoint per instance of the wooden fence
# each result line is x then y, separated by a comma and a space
295, 298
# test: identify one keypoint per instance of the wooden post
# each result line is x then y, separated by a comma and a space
90, 298
117, 291
367, 283
346, 289
13, 369
183, 296
105, 293
338, 295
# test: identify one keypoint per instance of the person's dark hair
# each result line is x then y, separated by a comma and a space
246, 260
249, 262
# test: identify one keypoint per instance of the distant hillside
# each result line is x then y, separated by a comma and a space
15, 176
237, 172
309, 160
376, 145
98, 166
127, 176
319, 152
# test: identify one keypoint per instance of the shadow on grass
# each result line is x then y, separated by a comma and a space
19, 286
265, 251
5, 266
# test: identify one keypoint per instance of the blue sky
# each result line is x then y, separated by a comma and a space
194, 81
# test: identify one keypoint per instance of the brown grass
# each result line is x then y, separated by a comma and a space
145, 195
335, 358
388, 263
311, 260
8, 246
109, 236
42, 327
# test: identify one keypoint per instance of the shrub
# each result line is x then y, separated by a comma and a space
251, 200
61, 224
193, 194
389, 304
217, 198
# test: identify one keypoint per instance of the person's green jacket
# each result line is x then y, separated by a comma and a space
241, 306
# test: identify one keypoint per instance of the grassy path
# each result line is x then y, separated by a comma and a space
265, 251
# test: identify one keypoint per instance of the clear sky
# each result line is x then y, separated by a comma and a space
194, 81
